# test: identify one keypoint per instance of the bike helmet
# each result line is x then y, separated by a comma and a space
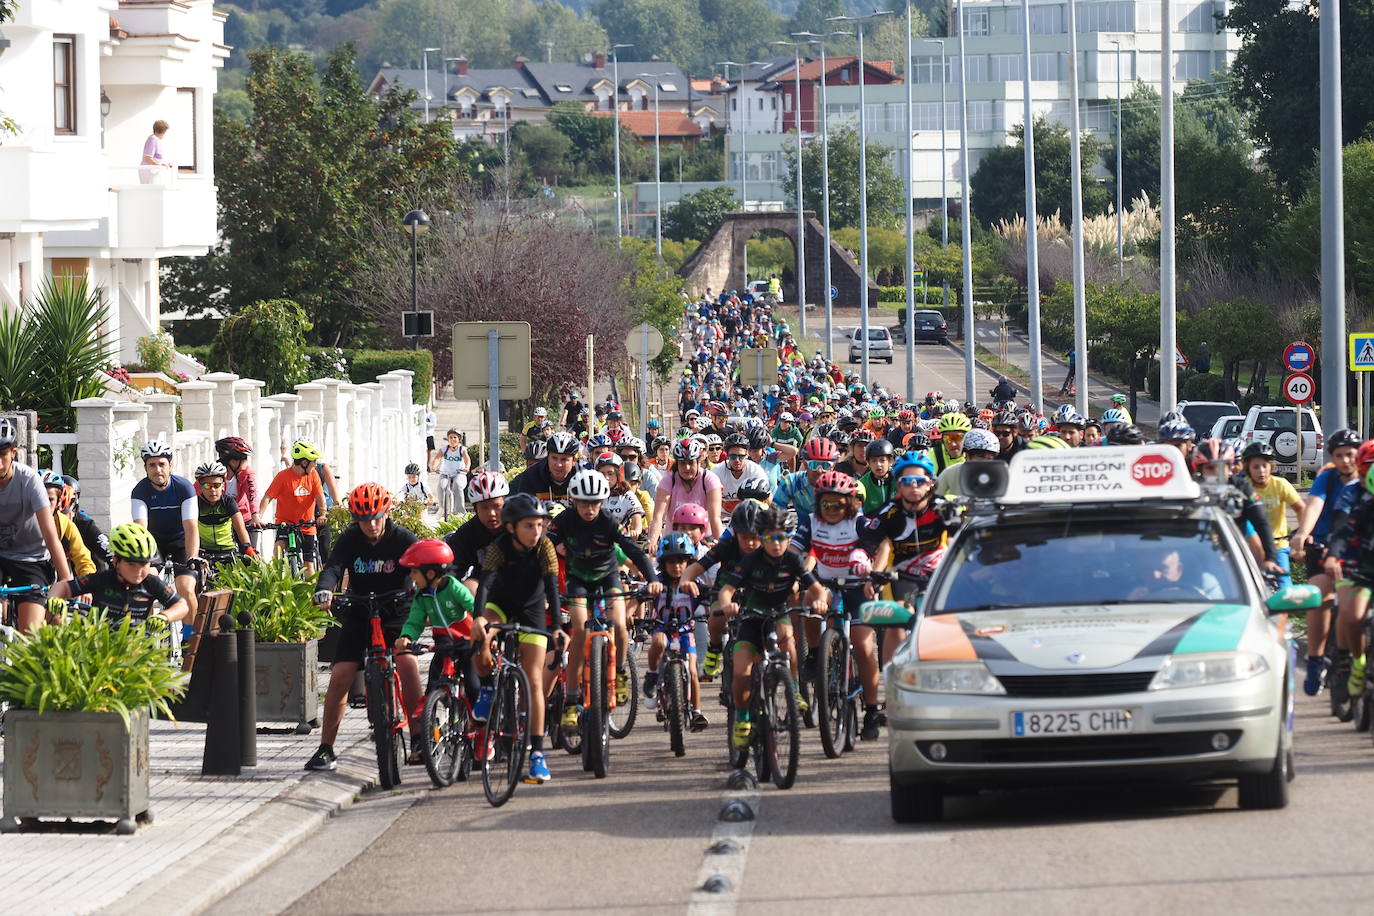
676, 545
1258, 450
562, 444
600, 440
1125, 434
368, 501
535, 449
658, 442
232, 447
916, 460
1051, 442
1118, 399
1171, 415
736, 440
745, 518
1341, 438
759, 439
589, 485
632, 442
606, 458
1211, 451
215, 469
156, 448
411, 468
131, 541
754, 490
836, 482
980, 440
820, 449
303, 450
485, 485
52, 479
523, 505
1004, 418
772, 518
1369, 481
687, 450
690, 514
953, 423
631, 473
916, 442
9, 436
1176, 431
979, 423
427, 552
1113, 415
1364, 456
879, 448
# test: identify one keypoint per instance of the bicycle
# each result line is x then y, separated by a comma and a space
386, 708
599, 721
505, 739
11, 597
294, 550
674, 683
446, 730
773, 710
558, 701
450, 496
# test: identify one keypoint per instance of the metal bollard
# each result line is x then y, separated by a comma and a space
222, 747
248, 690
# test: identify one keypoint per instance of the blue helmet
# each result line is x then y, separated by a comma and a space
1176, 431
1114, 415
917, 460
676, 544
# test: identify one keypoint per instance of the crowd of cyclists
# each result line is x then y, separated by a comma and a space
816, 493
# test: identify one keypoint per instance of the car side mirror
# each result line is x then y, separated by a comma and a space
1294, 599
885, 613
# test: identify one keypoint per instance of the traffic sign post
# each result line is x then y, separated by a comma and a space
1362, 352
1300, 356
492, 358
643, 343
758, 366
1299, 389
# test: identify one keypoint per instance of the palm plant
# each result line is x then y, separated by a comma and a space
54, 351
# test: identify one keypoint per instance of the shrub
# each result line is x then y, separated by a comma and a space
1198, 387
366, 365
155, 353
265, 341
282, 606
53, 352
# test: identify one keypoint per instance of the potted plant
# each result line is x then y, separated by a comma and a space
287, 626
76, 732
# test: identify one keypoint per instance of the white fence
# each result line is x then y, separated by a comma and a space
366, 432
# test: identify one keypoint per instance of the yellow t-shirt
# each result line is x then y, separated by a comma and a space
1276, 496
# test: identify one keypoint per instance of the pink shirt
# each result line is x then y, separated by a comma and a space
681, 493
153, 147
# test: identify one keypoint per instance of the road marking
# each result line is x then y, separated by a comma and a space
729, 866
892, 839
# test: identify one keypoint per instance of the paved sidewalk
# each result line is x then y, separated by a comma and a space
209, 834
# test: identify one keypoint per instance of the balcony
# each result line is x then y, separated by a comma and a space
60, 187
160, 212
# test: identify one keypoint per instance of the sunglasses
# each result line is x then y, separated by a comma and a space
913, 481
776, 538
820, 465
953, 437
1004, 432
736, 456
832, 504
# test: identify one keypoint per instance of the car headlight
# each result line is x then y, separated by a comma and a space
952, 677
1208, 668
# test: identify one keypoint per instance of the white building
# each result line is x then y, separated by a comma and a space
84, 80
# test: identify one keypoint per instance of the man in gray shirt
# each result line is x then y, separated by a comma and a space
30, 549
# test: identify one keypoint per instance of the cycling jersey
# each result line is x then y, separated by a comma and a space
942, 460
831, 543
520, 586
913, 535
448, 607
74, 546
1329, 488
162, 511
622, 507
96, 541
110, 593
724, 555
296, 496
216, 523
590, 546
415, 492
452, 461
877, 493
243, 489
468, 544
766, 582
751, 475
539, 483
371, 568
795, 491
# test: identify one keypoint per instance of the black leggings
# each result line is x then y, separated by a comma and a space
463, 663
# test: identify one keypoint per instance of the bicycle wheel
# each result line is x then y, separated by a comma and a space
829, 695
674, 697
596, 724
443, 735
783, 735
760, 744
379, 716
739, 757
622, 718
507, 736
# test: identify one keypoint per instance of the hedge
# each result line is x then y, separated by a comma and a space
364, 366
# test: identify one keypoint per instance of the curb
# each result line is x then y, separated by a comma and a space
240, 853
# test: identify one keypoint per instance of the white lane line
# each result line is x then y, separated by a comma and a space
728, 866
893, 839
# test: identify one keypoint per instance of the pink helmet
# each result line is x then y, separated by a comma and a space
690, 514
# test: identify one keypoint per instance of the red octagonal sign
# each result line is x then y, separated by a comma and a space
1152, 470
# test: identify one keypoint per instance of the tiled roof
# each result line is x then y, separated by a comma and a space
670, 123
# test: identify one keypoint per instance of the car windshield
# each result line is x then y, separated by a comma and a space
1205, 416
1283, 419
1090, 561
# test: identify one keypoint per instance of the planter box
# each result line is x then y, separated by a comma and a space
61, 764
288, 683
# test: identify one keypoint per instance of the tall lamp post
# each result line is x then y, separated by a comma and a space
1332, 220
966, 216
910, 228
615, 114
448, 60
658, 176
801, 200
1037, 376
944, 167
415, 223
863, 183
739, 102
1120, 226
1080, 303
1168, 344
425, 55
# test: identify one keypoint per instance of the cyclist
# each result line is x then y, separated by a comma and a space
96, 541
1353, 541
534, 451
165, 504
879, 486
1308, 543
978, 445
741, 539
519, 584
950, 449
300, 497
1004, 428
687, 482
128, 588
415, 490
487, 492
622, 506
1211, 462
767, 577
1069, 428
737, 471
217, 513
369, 551
453, 464
675, 553
1092, 431
1119, 403
1276, 494
78, 557
786, 430
1179, 434
445, 605
796, 490
588, 539
548, 479
240, 483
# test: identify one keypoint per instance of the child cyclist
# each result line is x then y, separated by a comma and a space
587, 537
519, 584
60, 497
415, 490
767, 577
128, 588
675, 552
222, 530
445, 604
741, 539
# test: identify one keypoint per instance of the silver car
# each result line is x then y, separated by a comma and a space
879, 345
1122, 636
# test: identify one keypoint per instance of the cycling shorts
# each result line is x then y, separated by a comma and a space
176, 552
524, 620
606, 585
1315, 559
308, 543
355, 632
751, 633
19, 573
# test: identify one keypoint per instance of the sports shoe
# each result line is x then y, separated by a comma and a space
869, 731
572, 717
811, 665
739, 739
699, 721
622, 688
650, 682
1355, 684
1316, 667
323, 759
482, 708
710, 666
803, 707
539, 770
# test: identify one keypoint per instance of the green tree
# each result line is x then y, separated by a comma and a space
1235, 331
1123, 326
265, 341
481, 29
545, 149
299, 184
696, 215
572, 35
736, 30
999, 184
672, 29
1297, 245
885, 189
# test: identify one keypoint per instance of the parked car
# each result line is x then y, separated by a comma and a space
927, 324
879, 345
1203, 415
1278, 427
1228, 427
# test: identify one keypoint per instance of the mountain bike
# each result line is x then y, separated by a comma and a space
600, 721
775, 743
294, 551
505, 739
386, 709
446, 726
674, 682
558, 701
837, 687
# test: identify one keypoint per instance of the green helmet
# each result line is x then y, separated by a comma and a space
131, 541
1369, 479
303, 450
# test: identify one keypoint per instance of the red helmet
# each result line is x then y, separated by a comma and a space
819, 448
368, 500
837, 482
429, 552
1364, 456
906, 415
233, 447
690, 514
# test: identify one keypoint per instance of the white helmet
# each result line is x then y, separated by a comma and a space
486, 485
156, 448
589, 485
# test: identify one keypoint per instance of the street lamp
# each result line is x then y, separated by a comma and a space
966, 217
415, 223
658, 176
615, 114
105, 104
944, 168
863, 182
801, 201
1120, 230
819, 40
425, 56
1037, 378
1080, 303
910, 230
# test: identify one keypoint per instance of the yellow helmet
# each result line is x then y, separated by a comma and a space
303, 450
131, 541
954, 423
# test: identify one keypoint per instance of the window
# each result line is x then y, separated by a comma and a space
1192, 65
1147, 66
181, 139
975, 22
1195, 17
1005, 68
64, 83
668, 87
977, 67
563, 87
981, 116
734, 103
1048, 20
1105, 17
1045, 67
927, 69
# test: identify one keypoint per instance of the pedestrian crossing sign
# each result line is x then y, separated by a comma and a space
1362, 352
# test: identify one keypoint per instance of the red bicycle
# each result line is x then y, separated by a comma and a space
386, 708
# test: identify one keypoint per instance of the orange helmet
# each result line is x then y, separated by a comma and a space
368, 500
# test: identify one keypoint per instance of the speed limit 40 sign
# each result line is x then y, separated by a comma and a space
1298, 388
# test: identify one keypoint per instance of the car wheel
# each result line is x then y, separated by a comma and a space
1268, 790
915, 801
889, 360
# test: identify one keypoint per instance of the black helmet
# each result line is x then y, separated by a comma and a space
771, 518
755, 491
1258, 450
412, 468
1341, 438
879, 448
631, 472
1125, 434
658, 442
522, 505
759, 439
1004, 418
745, 518
736, 440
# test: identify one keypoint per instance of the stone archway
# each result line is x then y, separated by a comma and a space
719, 261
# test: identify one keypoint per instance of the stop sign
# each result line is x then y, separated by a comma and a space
1152, 470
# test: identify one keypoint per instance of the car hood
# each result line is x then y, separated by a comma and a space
1085, 637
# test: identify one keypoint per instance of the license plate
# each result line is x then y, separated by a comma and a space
1070, 723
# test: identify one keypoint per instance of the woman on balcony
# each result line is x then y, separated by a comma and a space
152, 154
